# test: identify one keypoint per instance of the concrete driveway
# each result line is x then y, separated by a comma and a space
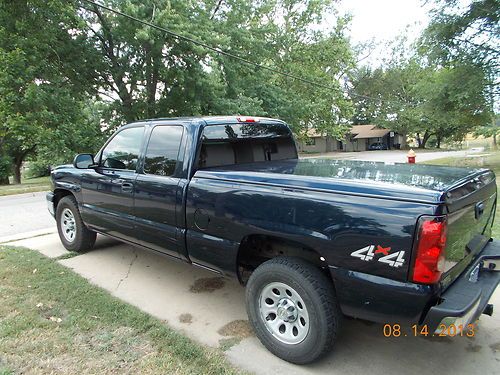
211, 310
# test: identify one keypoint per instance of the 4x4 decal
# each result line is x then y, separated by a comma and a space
368, 253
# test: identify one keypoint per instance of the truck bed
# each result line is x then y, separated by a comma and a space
408, 182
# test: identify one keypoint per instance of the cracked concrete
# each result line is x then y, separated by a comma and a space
129, 269
161, 287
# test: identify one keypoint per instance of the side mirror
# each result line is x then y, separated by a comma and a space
84, 161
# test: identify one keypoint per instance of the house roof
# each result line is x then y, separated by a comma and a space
313, 133
368, 131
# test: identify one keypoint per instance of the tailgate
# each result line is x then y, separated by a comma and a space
471, 209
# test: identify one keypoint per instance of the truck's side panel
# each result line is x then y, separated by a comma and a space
335, 225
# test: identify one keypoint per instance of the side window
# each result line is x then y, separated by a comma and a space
122, 152
163, 150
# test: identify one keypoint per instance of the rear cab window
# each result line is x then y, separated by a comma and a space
245, 143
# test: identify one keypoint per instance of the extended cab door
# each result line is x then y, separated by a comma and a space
158, 191
108, 191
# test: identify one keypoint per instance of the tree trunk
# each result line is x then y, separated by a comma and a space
495, 141
438, 141
17, 172
18, 163
424, 140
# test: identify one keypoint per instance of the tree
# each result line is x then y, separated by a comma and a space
44, 72
422, 100
455, 100
466, 33
281, 34
148, 73
387, 96
145, 72
491, 130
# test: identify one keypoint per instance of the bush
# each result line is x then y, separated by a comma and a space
39, 168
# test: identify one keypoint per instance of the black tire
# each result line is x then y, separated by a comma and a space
317, 293
84, 238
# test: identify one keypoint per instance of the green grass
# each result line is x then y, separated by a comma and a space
54, 321
28, 185
490, 160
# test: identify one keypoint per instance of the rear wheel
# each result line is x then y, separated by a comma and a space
74, 235
292, 307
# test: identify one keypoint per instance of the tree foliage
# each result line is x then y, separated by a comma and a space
423, 100
58, 58
467, 34
44, 73
149, 73
464, 31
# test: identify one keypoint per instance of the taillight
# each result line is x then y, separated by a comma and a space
247, 119
430, 256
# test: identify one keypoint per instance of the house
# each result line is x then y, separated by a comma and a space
318, 142
359, 138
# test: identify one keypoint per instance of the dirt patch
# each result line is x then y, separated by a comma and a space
473, 348
445, 339
495, 347
186, 318
207, 285
237, 328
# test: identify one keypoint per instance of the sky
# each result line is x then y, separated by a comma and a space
382, 21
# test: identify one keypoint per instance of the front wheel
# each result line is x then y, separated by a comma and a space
292, 307
74, 235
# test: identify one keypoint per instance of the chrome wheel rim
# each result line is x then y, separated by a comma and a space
284, 313
68, 225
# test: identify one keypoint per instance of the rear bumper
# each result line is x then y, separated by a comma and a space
383, 300
50, 203
380, 299
467, 298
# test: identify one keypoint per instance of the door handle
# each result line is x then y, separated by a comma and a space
479, 209
108, 173
127, 187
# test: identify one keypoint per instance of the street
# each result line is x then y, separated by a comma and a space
23, 214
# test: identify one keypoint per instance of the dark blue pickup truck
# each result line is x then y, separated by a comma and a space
312, 240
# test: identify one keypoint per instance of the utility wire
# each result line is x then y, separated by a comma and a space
216, 49
228, 54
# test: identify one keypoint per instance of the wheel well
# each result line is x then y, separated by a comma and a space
58, 195
257, 249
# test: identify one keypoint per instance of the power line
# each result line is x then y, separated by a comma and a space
214, 49
231, 55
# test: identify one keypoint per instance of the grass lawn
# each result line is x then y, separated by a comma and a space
54, 321
490, 160
28, 185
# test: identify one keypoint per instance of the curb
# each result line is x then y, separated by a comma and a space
27, 235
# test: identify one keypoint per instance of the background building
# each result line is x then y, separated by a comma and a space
359, 138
